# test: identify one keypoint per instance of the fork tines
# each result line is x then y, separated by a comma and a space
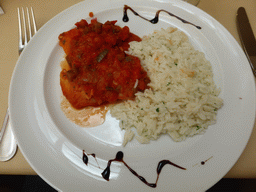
25, 26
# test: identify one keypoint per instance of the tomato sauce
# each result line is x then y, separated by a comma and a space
100, 72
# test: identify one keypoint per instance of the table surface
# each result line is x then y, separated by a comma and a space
223, 11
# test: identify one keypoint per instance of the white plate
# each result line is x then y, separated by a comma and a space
53, 145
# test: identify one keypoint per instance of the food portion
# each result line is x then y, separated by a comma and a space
157, 85
182, 99
99, 71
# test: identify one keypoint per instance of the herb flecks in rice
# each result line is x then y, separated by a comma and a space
183, 98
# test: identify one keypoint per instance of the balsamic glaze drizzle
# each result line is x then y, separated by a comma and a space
156, 18
86, 159
119, 157
203, 162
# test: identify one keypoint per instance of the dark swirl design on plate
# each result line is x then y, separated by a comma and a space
203, 162
86, 159
119, 158
156, 18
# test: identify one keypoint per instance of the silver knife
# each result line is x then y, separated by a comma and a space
247, 37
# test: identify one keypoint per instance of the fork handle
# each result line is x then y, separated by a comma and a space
5, 123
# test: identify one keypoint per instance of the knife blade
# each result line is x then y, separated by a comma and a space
247, 37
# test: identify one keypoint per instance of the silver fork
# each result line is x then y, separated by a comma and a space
22, 43
8, 145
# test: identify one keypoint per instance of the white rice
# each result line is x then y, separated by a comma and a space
182, 100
